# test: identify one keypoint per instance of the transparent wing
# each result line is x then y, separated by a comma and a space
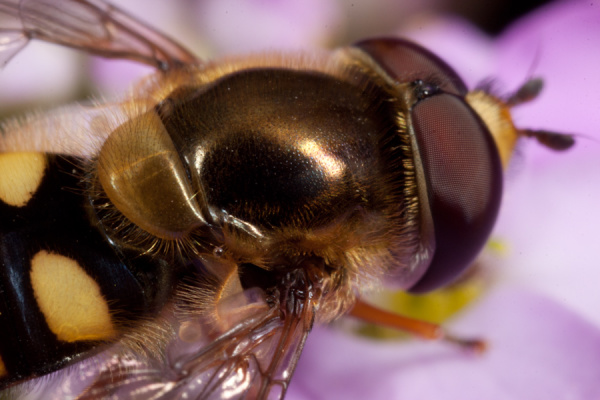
253, 359
94, 26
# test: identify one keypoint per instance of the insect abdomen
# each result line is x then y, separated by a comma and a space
64, 288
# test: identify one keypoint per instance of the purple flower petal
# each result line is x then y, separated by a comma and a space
530, 357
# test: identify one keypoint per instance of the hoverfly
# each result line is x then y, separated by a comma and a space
181, 242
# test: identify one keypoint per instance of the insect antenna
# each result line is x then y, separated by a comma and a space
553, 140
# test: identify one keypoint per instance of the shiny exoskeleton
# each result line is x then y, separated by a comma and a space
54, 222
232, 205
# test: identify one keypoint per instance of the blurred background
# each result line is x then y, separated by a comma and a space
43, 75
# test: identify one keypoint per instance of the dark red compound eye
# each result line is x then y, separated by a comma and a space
462, 173
405, 61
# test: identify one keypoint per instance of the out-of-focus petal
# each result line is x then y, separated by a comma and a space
530, 357
551, 220
112, 77
40, 73
551, 214
559, 43
235, 26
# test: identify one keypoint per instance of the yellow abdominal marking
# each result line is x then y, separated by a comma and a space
21, 175
2, 368
70, 299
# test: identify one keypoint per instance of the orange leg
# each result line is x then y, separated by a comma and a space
423, 329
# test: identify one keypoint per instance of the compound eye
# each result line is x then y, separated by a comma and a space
463, 176
405, 61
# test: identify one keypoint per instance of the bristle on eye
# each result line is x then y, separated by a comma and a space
552, 140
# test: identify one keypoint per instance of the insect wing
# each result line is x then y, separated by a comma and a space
90, 25
253, 360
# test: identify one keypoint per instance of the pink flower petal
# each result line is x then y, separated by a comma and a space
559, 43
242, 27
530, 357
23, 81
551, 214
